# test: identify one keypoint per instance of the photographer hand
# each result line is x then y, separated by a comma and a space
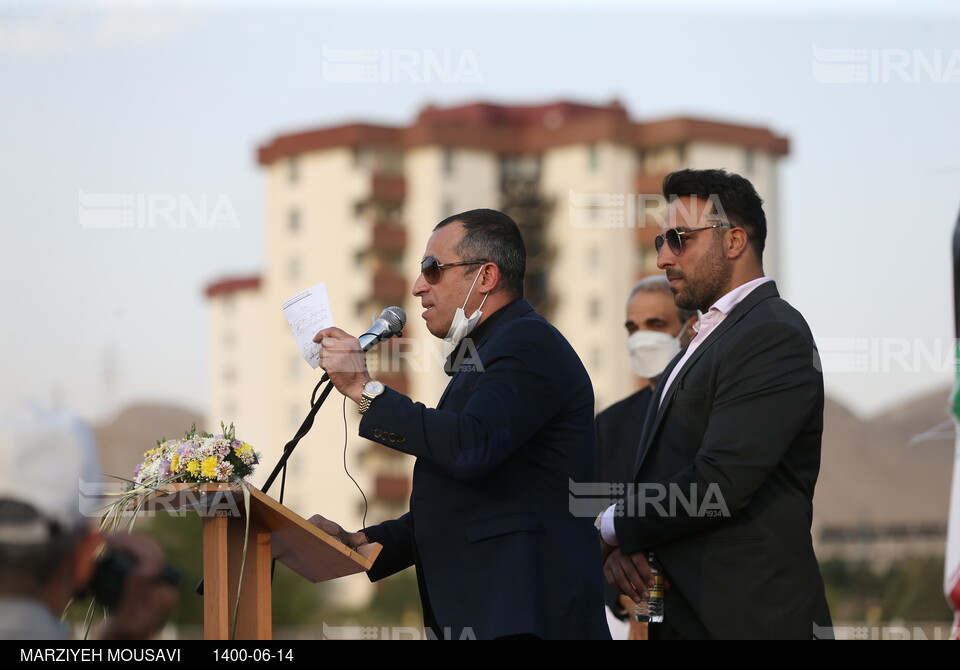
147, 597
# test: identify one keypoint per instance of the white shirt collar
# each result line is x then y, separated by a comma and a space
726, 304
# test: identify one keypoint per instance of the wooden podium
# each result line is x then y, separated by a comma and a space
274, 532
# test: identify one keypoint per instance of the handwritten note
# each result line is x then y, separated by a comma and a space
308, 312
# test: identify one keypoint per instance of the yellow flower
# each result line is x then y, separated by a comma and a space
193, 467
175, 463
208, 468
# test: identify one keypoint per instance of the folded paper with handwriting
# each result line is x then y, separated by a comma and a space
308, 312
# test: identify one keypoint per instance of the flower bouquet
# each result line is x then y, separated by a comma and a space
195, 459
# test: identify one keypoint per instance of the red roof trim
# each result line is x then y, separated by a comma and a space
232, 285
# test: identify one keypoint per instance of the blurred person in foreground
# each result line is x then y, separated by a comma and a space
48, 548
657, 329
730, 451
497, 551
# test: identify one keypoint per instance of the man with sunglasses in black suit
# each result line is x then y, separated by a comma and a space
497, 552
730, 450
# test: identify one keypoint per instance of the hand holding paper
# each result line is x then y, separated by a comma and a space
307, 313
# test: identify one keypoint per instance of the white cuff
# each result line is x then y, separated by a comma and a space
607, 531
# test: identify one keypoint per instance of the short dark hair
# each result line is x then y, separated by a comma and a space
495, 237
739, 200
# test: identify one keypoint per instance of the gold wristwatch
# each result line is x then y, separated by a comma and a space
370, 391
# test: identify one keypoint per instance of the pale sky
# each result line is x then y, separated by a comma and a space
172, 99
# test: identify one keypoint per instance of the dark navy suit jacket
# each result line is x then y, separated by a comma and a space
489, 529
743, 418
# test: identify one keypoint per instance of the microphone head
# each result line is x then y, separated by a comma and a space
396, 317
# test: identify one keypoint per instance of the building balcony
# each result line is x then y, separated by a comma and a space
388, 287
395, 380
389, 237
648, 183
388, 188
392, 488
646, 231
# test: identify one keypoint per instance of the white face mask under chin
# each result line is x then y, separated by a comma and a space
462, 325
650, 351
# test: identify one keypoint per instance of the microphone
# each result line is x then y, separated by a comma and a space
390, 322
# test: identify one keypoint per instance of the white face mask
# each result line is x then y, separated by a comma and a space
461, 326
650, 351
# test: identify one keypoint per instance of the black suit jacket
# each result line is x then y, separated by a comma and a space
489, 529
738, 436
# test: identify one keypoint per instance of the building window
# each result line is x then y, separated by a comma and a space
293, 169
229, 411
229, 338
593, 157
447, 161
229, 376
748, 159
294, 269
295, 364
228, 304
593, 260
293, 220
446, 208
594, 308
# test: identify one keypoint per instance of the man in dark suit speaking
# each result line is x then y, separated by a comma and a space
730, 450
497, 551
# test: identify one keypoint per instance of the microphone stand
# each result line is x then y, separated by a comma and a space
305, 427
314, 408
301, 432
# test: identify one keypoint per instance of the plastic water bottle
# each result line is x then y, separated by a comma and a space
650, 609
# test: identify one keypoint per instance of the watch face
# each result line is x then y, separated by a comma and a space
373, 388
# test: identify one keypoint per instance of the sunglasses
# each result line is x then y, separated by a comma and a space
431, 268
672, 237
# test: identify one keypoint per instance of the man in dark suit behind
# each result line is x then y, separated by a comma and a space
656, 331
497, 551
730, 450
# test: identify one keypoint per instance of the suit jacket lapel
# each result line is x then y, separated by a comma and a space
654, 412
656, 416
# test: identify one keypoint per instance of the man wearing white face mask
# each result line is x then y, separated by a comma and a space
462, 324
497, 551
657, 330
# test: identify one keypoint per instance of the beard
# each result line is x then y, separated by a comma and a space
709, 284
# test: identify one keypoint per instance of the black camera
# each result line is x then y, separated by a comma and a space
110, 575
